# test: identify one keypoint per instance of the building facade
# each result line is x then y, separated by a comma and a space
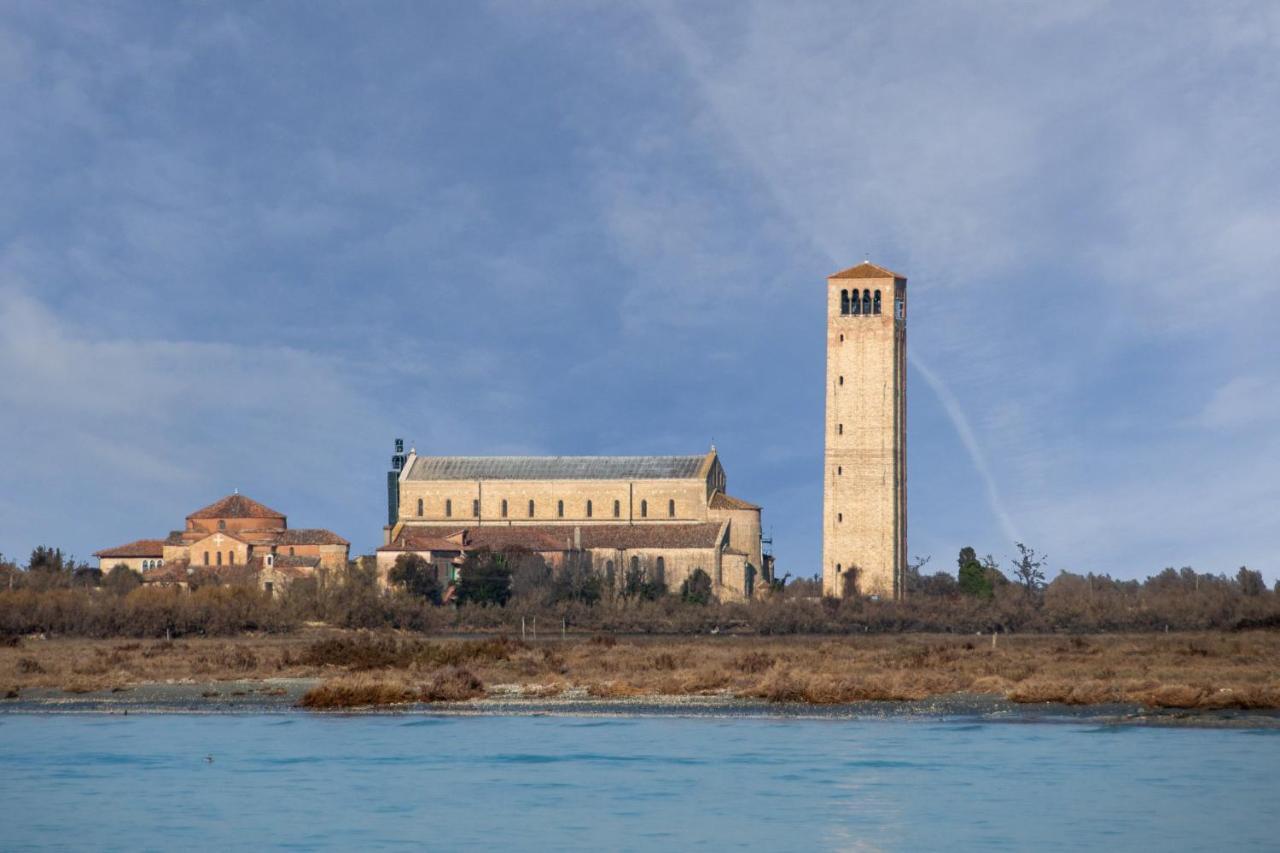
234, 539
664, 515
864, 529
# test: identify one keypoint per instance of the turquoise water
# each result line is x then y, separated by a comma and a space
643, 783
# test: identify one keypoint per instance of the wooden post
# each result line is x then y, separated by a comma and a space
522, 629
564, 629
993, 639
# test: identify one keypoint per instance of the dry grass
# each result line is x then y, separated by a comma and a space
1199, 671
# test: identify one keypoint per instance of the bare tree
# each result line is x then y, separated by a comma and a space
1028, 568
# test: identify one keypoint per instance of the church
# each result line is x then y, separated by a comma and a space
665, 516
234, 539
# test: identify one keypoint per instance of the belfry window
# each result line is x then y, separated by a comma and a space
531, 509
644, 509
559, 509
588, 509
866, 302
617, 509
876, 304
855, 306
844, 301
671, 509
504, 507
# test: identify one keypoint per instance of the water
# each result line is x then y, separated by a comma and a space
642, 783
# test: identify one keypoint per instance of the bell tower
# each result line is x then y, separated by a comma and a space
864, 524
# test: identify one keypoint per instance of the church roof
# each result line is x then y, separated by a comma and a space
557, 537
236, 506
866, 269
308, 536
140, 548
556, 467
722, 501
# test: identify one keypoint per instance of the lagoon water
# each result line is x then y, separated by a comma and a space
628, 783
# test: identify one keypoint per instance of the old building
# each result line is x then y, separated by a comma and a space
237, 539
864, 530
663, 515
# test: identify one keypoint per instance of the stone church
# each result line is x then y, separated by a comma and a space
663, 515
864, 526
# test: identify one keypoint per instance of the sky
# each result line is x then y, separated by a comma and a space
245, 246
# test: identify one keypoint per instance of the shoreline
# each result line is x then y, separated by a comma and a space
281, 696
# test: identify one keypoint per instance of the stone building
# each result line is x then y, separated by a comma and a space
237, 539
665, 515
864, 529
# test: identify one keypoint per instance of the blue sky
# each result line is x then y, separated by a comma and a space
246, 246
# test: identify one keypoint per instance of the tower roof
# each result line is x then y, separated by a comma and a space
866, 269
236, 506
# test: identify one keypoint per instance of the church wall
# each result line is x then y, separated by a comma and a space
744, 530
236, 525
212, 547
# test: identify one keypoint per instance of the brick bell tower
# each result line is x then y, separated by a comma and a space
864, 523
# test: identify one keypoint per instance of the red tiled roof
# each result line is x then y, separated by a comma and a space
312, 536
866, 269
140, 548
557, 537
722, 501
236, 506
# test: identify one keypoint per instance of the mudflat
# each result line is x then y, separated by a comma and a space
1173, 675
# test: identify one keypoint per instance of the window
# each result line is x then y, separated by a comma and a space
475, 507
839, 516
644, 509
206, 558
617, 509
839, 429
635, 565
844, 302
842, 339
218, 556
876, 309
839, 470
608, 572
531, 509
559, 509
660, 571
588, 509
855, 306
291, 551
504, 507
222, 525
419, 507
231, 558
448, 508
841, 380
866, 302
671, 509
899, 309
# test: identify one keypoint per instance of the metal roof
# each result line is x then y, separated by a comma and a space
556, 467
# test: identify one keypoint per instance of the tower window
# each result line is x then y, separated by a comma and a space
419, 507
844, 301
876, 309
839, 516
839, 429
588, 509
448, 508
855, 306
866, 302
842, 339
475, 507
644, 509
617, 509
504, 507
839, 470
841, 380
559, 509
671, 509
531, 509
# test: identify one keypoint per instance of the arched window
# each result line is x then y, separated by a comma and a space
231, 558
206, 558
839, 470
841, 380
855, 304
866, 302
218, 556
617, 509
222, 525
839, 516
504, 507
531, 509
635, 565
608, 572
660, 571
876, 305
419, 507
559, 509
839, 429
589, 509
671, 509
475, 507
448, 508
644, 509
844, 301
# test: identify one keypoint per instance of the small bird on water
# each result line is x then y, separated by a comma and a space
208, 759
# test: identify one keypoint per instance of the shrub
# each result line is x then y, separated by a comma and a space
696, 588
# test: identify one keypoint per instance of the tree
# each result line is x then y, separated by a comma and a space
1028, 568
45, 559
485, 579
1251, 582
577, 580
973, 577
416, 576
636, 584
696, 588
121, 579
